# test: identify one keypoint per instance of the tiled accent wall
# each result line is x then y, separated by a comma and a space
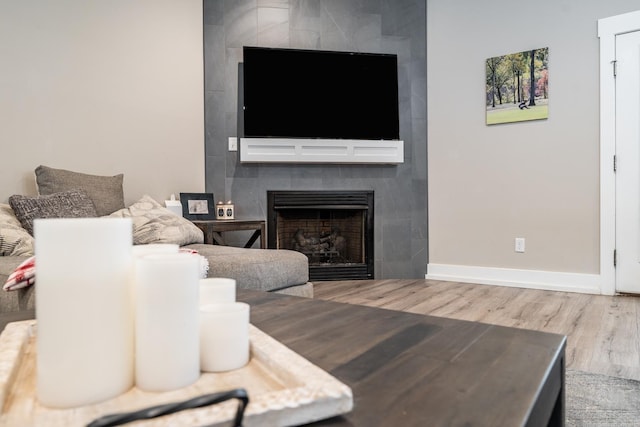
382, 26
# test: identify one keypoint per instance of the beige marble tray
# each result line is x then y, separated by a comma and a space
284, 389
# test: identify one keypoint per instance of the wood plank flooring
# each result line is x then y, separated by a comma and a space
603, 332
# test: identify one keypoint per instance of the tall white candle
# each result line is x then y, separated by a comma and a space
155, 248
166, 319
224, 336
149, 249
83, 308
217, 290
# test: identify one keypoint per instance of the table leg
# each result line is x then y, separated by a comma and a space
214, 232
219, 238
208, 236
253, 239
557, 416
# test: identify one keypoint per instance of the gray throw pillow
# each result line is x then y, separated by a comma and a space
68, 204
105, 191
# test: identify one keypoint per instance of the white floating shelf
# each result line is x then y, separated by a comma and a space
285, 150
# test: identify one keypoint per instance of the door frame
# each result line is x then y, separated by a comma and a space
608, 29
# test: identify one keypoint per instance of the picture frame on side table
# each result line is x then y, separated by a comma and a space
198, 206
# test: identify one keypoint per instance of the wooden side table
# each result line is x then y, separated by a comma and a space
213, 230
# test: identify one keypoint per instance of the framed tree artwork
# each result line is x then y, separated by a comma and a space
517, 87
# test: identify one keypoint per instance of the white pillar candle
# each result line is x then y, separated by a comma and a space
224, 336
83, 307
166, 319
148, 249
216, 290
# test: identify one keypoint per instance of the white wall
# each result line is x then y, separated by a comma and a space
538, 180
103, 87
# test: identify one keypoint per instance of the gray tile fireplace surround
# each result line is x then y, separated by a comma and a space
381, 26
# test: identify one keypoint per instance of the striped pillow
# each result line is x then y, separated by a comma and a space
14, 239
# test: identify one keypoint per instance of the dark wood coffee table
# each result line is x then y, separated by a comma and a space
412, 370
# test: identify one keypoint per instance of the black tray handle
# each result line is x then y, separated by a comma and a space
170, 408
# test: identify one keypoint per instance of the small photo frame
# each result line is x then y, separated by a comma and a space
198, 206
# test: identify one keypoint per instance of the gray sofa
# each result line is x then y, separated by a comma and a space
67, 194
269, 270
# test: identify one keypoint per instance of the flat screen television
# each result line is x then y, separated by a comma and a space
292, 93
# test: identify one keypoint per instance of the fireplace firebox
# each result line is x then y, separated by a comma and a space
334, 229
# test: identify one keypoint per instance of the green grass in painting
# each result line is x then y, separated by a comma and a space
509, 115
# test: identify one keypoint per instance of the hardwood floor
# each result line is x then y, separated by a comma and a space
603, 331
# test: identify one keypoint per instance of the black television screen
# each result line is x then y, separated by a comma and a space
290, 93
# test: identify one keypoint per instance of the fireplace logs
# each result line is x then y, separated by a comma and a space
332, 244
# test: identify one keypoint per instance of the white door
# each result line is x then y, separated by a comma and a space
628, 162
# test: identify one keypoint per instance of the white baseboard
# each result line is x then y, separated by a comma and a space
532, 279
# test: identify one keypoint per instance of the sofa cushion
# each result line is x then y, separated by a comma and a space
257, 269
14, 239
106, 192
67, 204
153, 223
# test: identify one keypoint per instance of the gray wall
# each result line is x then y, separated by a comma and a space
383, 26
538, 180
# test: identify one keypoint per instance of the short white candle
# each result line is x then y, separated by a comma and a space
83, 307
224, 336
166, 319
216, 290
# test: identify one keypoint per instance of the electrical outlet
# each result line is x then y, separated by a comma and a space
233, 143
519, 244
